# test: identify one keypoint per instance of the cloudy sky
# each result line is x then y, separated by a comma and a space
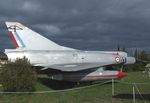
81, 24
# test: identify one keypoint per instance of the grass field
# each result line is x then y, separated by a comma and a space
96, 94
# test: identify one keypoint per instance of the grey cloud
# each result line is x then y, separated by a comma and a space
49, 29
83, 24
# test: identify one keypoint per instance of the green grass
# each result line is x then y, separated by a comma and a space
97, 94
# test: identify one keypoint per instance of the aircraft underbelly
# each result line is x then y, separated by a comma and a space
85, 76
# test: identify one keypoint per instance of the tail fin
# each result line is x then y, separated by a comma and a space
24, 37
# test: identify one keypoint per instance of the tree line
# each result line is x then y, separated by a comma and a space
142, 58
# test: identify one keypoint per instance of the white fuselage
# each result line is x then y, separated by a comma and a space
46, 57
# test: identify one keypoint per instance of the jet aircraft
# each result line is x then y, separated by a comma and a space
69, 64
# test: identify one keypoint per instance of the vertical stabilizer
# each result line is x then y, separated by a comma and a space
26, 38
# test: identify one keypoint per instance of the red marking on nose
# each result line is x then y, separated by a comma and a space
121, 75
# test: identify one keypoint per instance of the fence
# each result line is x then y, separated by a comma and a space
134, 92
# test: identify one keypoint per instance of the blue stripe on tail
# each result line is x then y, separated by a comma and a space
20, 40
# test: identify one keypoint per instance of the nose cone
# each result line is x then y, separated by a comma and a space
121, 75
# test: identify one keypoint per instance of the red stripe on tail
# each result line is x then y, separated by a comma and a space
13, 38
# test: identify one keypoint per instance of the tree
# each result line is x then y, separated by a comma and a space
136, 55
144, 55
124, 49
118, 48
18, 76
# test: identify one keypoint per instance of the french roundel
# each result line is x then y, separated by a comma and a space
117, 59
